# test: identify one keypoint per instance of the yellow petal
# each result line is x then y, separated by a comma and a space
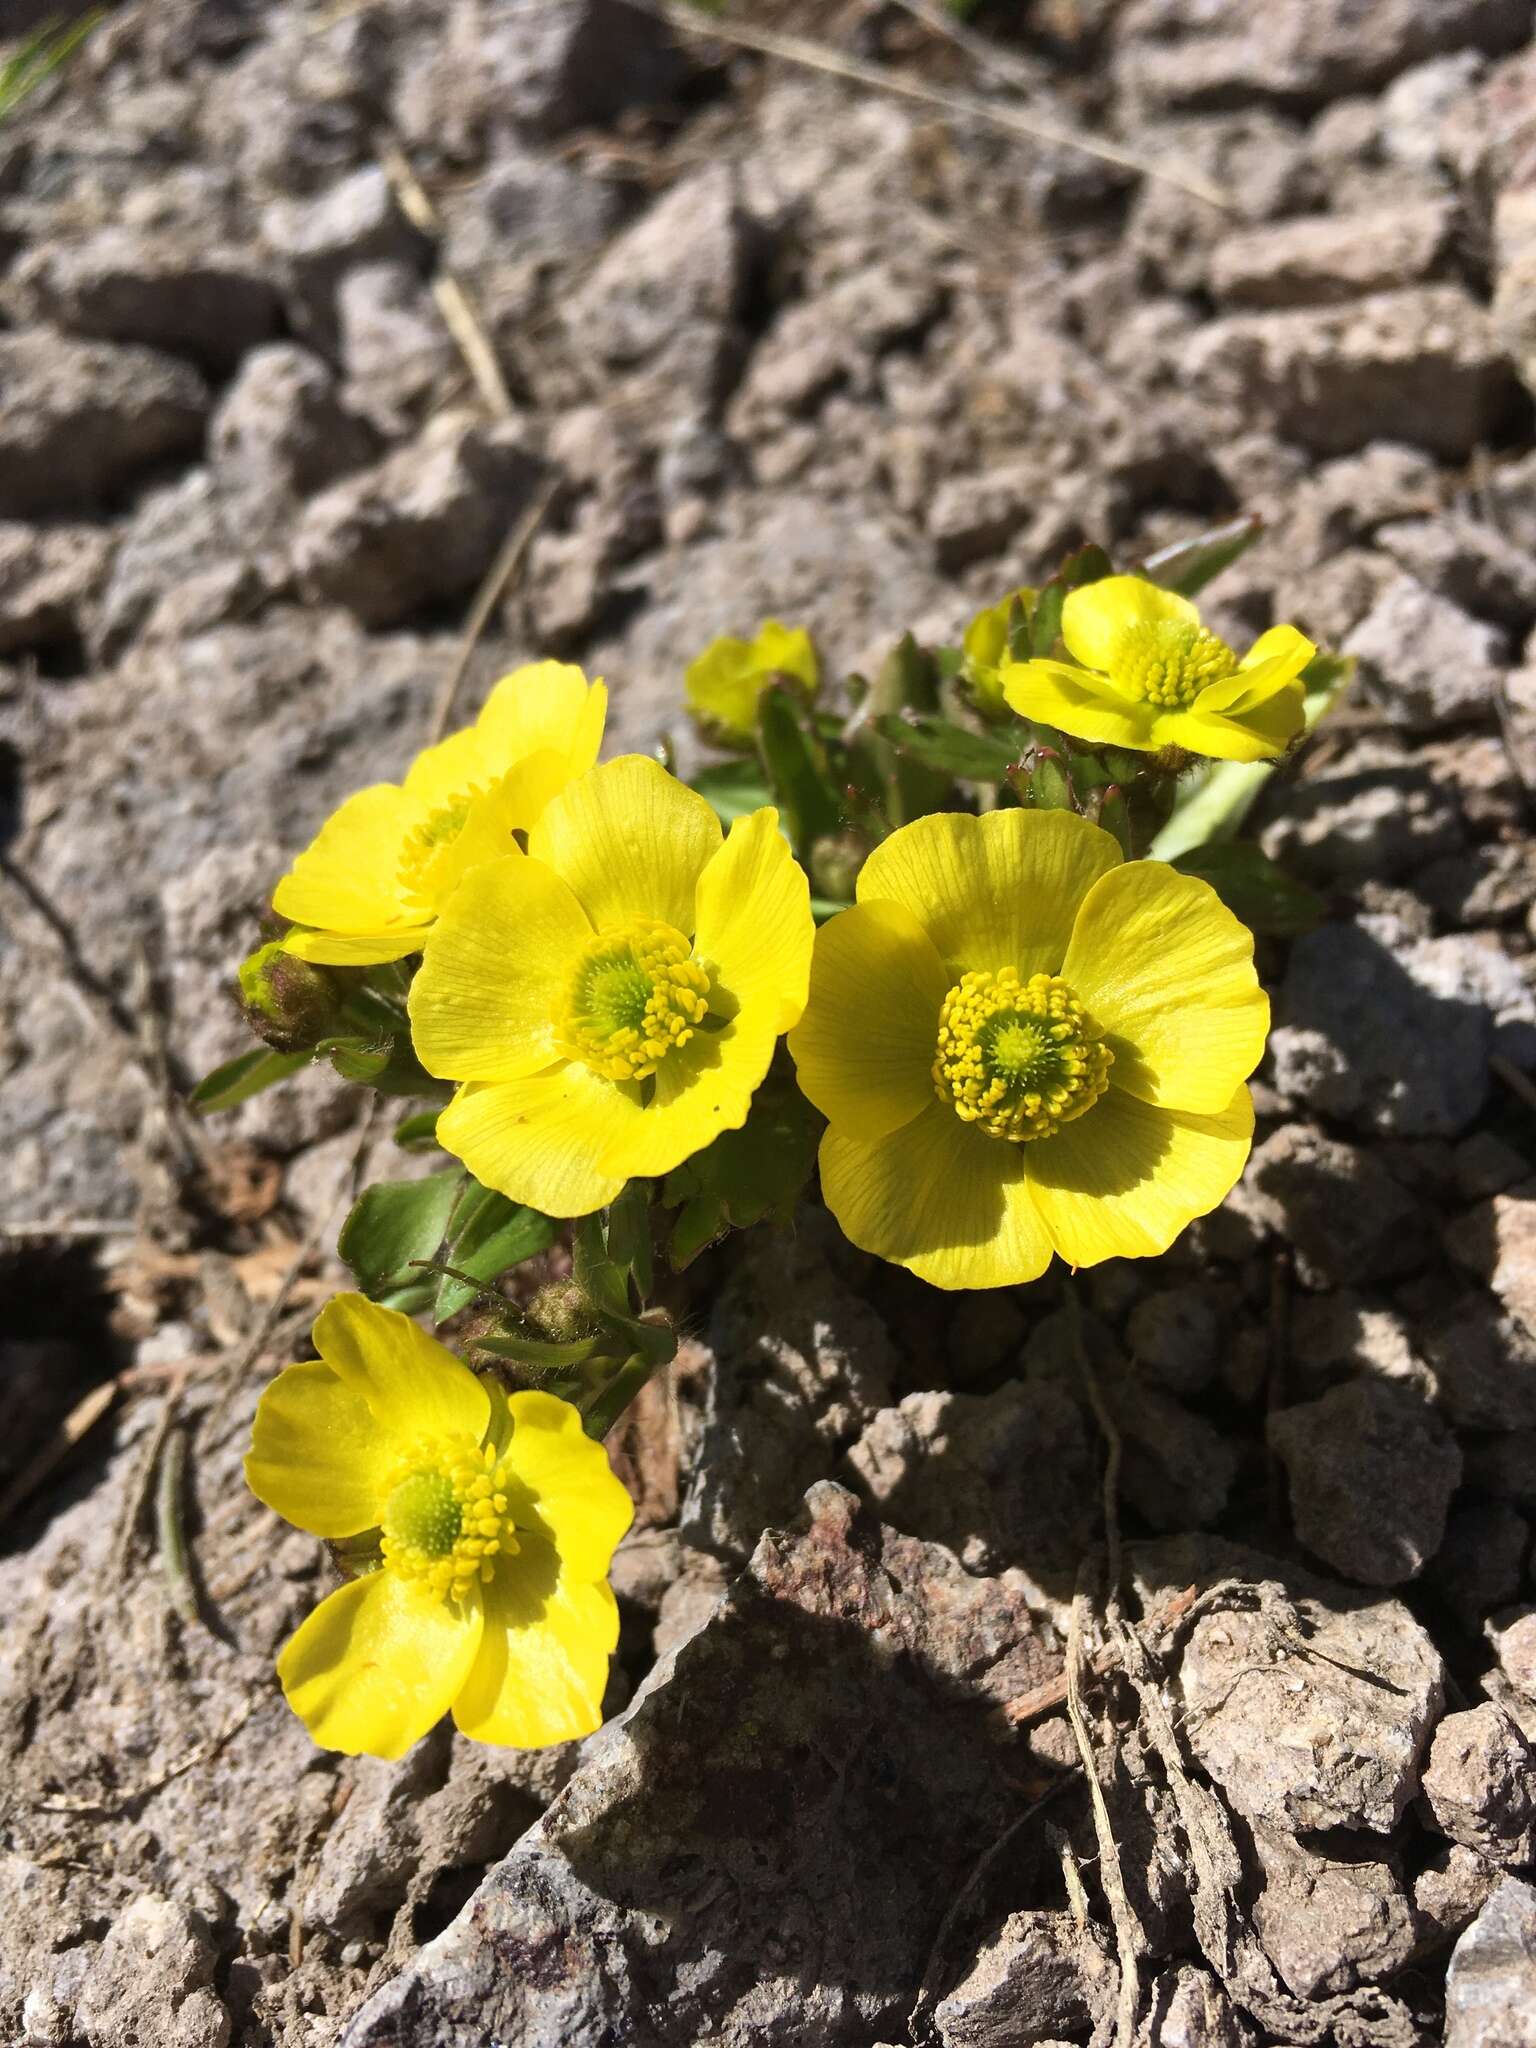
631, 841
1289, 650
1095, 615
539, 1140
355, 949
1259, 735
378, 1663
447, 771
413, 1385
702, 1089
1126, 1177
1079, 701
1166, 971
493, 971
345, 879
864, 1049
579, 1504
543, 1662
992, 892
317, 1456
939, 1197
544, 706
752, 919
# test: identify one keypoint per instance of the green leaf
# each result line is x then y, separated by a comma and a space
38, 58
418, 1133
1089, 564
489, 1234
952, 749
394, 1223
797, 769
747, 1175
735, 788
1213, 801
244, 1076
1267, 899
1045, 620
1188, 565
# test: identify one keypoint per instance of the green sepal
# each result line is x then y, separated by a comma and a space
247, 1074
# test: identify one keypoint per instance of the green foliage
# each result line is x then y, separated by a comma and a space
1270, 902
798, 770
247, 1074
1188, 565
40, 57
735, 788
397, 1229
745, 1176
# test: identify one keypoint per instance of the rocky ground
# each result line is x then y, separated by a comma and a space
758, 340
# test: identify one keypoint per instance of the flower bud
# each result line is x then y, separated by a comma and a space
562, 1312
290, 1003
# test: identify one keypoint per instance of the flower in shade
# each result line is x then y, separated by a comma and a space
371, 883
726, 680
1152, 676
1024, 1046
611, 999
492, 1521
985, 647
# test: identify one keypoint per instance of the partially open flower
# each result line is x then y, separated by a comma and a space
1025, 1046
727, 679
612, 998
371, 883
1152, 676
496, 1518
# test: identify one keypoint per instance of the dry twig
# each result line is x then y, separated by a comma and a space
489, 595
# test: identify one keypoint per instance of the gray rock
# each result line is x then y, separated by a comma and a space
1343, 1333
1039, 1977
1000, 1479
831, 341
48, 577
418, 528
191, 556
1176, 1467
1310, 1705
1514, 1643
1413, 112
1374, 822
395, 349
1514, 286
1371, 1472
152, 1979
1469, 563
1187, 2008
1330, 1921
317, 241
1490, 1994
162, 289
823, 1720
1487, 885
1323, 259
972, 517
283, 428
1497, 1241
80, 420
1428, 663
1479, 1785
801, 1366
1346, 1217
1484, 1362
1481, 1563
1175, 1336
1423, 366
669, 290
1449, 1893
1392, 1039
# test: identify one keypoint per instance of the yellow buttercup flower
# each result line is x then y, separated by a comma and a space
985, 646
727, 679
1024, 1045
611, 999
1152, 676
496, 1518
370, 885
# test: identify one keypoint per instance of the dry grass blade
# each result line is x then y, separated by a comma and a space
80, 1420
983, 53
1128, 1938
489, 595
880, 78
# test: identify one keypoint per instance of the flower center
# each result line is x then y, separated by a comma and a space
635, 995
423, 870
1018, 1058
446, 1516
1168, 662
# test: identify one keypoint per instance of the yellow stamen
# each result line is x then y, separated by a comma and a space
1169, 662
420, 871
1018, 1059
446, 1517
635, 995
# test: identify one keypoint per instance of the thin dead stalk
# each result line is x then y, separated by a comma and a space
489, 595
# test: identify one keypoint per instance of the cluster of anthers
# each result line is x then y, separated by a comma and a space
423, 848
1018, 1059
447, 1515
635, 995
1167, 662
